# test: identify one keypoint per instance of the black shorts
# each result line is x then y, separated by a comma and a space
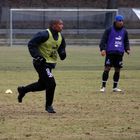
114, 60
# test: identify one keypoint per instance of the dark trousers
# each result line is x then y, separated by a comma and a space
46, 82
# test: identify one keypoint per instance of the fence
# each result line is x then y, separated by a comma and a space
82, 26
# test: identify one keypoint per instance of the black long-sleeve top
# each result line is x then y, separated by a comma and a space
42, 37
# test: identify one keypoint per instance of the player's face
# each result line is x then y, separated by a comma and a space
58, 26
119, 24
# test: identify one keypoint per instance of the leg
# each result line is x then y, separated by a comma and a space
105, 75
117, 67
48, 81
116, 77
50, 89
37, 86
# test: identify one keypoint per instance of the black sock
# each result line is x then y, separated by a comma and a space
115, 84
104, 78
116, 79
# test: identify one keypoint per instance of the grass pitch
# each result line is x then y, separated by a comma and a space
83, 113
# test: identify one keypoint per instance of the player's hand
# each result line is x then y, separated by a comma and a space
128, 52
103, 52
62, 55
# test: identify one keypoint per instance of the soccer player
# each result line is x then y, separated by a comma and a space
44, 47
113, 44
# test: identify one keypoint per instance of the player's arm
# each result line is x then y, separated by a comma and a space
35, 42
103, 42
126, 43
62, 49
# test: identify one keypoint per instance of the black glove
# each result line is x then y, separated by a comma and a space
40, 60
62, 55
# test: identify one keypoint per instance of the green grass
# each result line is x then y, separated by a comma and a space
83, 113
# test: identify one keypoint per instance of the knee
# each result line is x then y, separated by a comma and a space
107, 69
117, 70
106, 72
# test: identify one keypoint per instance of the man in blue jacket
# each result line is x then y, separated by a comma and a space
113, 45
44, 47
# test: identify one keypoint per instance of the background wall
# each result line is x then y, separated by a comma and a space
67, 3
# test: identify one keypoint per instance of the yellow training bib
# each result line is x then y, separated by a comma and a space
49, 48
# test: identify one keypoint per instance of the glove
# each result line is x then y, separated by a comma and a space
62, 55
40, 60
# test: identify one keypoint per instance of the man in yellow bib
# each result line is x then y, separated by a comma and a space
44, 47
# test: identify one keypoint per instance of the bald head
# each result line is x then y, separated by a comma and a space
56, 25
